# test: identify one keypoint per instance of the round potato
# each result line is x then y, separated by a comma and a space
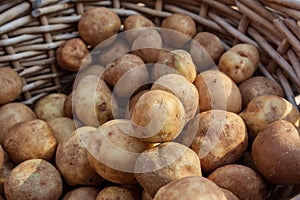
258, 86
218, 137
68, 106
115, 138
98, 24
96, 70
158, 116
29, 140
217, 91
131, 104
192, 188
229, 195
11, 114
62, 127
239, 62
242, 181
50, 106
276, 153
86, 193
164, 163
116, 192
10, 85
33, 179
263, 110
178, 29
185, 91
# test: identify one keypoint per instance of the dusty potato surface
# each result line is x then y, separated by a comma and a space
62, 127
86, 193
116, 192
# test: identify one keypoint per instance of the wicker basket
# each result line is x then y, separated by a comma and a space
32, 30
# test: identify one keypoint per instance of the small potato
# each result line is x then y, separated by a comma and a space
11, 114
128, 68
242, 181
116, 192
62, 127
5, 170
73, 55
68, 106
98, 24
72, 162
239, 62
50, 106
192, 188
229, 195
94, 103
258, 86
263, 110
33, 179
217, 91
178, 29
175, 62
185, 91
218, 137
86, 193
276, 153
206, 49
146, 196
10, 85
115, 138
29, 140
165, 163
158, 116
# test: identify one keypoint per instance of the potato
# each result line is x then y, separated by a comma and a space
33, 179
28, 140
206, 49
13, 113
127, 68
94, 103
115, 138
73, 55
62, 127
263, 110
192, 188
239, 62
158, 116
68, 106
132, 102
86, 193
185, 91
258, 86
276, 153
229, 195
96, 70
162, 164
146, 196
217, 91
50, 106
98, 24
10, 85
116, 192
133, 26
242, 181
178, 29
218, 137
175, 62
5, 170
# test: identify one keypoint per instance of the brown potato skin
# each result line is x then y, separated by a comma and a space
229, 195
98, 24
62, 127
276, 153
169, 161
116, 192
5, 170
192, 188
29, 140
33, 179
258, 86
146, 196
68, 106
10, 85
13, 113
86, 193
242, 181
218, 137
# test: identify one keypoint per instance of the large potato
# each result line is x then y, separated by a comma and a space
217, 91
242, 181
116, 192
112, 151
276, 153
33, 179
192, 188
263, 110
62, 127
13, 113
72, 162
218, 137
160, 165
28, 140
86, 193
158, 116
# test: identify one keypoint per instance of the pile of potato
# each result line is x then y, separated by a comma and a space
152, 115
